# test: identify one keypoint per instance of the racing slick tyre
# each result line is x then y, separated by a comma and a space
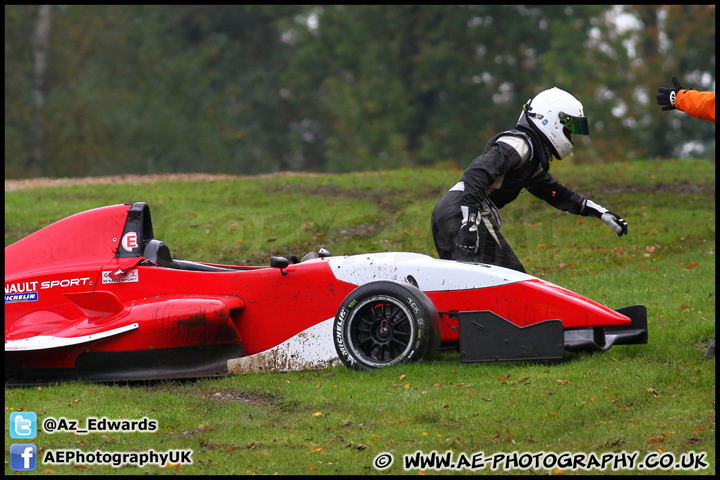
384, 323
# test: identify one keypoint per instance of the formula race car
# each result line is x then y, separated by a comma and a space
95, 296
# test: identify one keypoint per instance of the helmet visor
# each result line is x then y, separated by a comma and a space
577, 125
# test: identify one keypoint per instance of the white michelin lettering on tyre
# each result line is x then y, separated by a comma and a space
338, 327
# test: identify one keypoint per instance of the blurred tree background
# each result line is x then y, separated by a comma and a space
103, 90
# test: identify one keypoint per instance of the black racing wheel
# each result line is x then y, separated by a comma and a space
383, 323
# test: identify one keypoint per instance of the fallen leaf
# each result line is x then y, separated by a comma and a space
317, 414
312, 468
563, 382
446, 406
698, 430
402, 376
691, 266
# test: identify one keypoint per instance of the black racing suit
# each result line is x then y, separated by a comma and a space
493, 180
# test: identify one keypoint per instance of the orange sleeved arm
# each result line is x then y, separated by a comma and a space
696, 104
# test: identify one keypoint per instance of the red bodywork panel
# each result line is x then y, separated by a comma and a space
525, 303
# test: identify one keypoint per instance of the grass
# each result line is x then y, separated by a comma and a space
658, 397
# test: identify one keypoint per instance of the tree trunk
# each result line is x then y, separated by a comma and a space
40, 42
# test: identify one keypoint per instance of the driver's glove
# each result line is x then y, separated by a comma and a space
468, 237
613, 220
666, 96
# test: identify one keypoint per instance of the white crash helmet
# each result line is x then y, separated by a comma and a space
556, 115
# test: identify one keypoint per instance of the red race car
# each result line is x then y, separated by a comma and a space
95, 296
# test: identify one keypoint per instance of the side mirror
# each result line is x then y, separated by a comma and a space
279, 262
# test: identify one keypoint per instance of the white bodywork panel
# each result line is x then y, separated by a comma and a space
430, 273
42, 342
311, 349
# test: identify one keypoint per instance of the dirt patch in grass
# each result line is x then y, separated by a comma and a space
386, 200
239, 396
682, 187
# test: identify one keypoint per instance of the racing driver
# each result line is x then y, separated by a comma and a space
466, 221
